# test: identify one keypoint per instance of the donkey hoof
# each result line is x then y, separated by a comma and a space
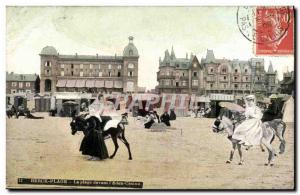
111, 157
280, 152
275, 154
272, 165
240, 163
266, 164
130, 158
228, 162
263, 150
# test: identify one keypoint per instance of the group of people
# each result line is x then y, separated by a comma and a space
152, 117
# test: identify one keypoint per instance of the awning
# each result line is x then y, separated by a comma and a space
90, 83
203, 99
109, 84
99, 84
71, 83
61, 83
118, 84
80, 83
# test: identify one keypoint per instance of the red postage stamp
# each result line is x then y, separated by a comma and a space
274, 31
271, 29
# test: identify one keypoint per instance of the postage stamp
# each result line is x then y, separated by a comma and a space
269, 28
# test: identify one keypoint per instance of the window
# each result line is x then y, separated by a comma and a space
21, 90
224, 77
109, 74
62, 66
28, 91
72, 73
119, 74
211, 85
177, 84
246, 78
211, 70
235, 86
13, 84
236, 70
224, 70
100, 74
130, 52
195, 82
48, 63
130, 73
119, 67
47, 72
13, 91
81, 66
246, 70
184, 83
246, 86
258, 78
27, 84
91, 66
109, 66
195, 74
235, 78
168, 73
81, 73
130, 65
183, 74
167, 82
20, 85
62, 73
72, 66
224, 86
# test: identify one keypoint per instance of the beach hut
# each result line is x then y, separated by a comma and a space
288, 110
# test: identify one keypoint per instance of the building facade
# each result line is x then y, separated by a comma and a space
287, 85
20, 83
89, 73
211, 75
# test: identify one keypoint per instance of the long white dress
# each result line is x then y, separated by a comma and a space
250, 131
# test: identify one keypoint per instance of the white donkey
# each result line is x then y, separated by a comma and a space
270, 129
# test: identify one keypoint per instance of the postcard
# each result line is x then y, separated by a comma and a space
143, 98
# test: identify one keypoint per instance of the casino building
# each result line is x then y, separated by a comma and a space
89, 73
211, 75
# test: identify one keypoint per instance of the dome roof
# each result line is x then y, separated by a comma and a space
130, 49
49, 50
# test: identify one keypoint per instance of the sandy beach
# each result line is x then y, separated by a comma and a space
188, 157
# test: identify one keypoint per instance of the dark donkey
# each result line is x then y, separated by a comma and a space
80, 123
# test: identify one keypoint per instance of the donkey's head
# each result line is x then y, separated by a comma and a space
124, 119
223, 121
78, 123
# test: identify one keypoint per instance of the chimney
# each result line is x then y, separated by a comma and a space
96, 55
187, 56
76, 55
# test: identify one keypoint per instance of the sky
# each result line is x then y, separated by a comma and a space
105, 30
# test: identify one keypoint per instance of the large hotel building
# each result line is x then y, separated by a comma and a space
89, 73
210, 75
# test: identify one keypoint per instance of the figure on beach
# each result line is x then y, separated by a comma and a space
250, 131
93, 142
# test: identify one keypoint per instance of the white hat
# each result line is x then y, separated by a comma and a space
250, 97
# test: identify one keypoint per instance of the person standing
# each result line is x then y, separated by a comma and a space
93, 142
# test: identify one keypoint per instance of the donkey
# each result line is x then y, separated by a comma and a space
80, 123
271, 129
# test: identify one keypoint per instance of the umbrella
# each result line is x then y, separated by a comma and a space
232, 106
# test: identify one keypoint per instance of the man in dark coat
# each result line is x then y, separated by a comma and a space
165, 118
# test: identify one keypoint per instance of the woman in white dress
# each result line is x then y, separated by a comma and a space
250, 132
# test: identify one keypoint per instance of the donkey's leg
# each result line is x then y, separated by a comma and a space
271, 152
279, 132
239, 146
262, 148
123, 139
231, 153
114, 138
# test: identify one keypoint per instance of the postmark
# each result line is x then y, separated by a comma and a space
270, 29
